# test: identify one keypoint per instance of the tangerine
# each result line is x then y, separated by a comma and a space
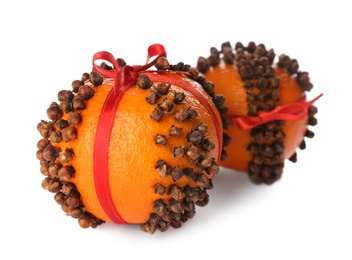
259, 88
144, 152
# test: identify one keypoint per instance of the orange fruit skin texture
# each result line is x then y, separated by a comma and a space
228, 82
132, 152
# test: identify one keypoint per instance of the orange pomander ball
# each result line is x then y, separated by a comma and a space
130, 145
268, 114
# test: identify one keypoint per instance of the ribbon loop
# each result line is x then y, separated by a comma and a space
106, 56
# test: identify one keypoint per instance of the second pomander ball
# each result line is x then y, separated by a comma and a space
268, 115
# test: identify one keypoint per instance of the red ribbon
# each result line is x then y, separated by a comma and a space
294, 111
125, 78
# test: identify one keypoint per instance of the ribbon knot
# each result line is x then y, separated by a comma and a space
126, 76
294, 111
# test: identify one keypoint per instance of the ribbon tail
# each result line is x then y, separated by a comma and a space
309, 103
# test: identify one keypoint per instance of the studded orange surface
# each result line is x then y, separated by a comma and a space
133, 153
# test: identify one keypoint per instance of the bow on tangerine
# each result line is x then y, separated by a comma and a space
129, 145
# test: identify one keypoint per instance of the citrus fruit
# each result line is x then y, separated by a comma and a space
129, 145
268, 114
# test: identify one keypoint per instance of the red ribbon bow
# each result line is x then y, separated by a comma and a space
294, 111
125, 78
127, 75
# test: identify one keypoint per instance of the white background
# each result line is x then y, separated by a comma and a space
306, 215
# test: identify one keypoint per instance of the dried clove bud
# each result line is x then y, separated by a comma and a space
54, 185
309, 133
39, 155
159, 189
312, 121
202, 128
42, 143
190, 173
224, 155
180, 115
176, 192
152, 97
85, 222
205, 161
74, 117
212, 169
175, 131
176, 206
65, 95
179, 97
86, 92
69, 133
194, 73
105, 66
176, 173
219, 100
204, 182
76, 84
209, 88
203, 65
75, 212
95, 78
167, 106
54, 111
78, 103
192, 113
164, 225
66, 173
59, 198
44, 169
61, 124
73, 201
160, 139
121, 62
162, 63
144, 81
157, 114
203, 202
45, 183
50, 153
207, 145
55, 136
302, 145
193, 153
178, 151
85, 77
195, 137
162, 88
53, 169
65, 106
214, 60
160, 207
192, 194
154, 219
162, 168
66, 156
146, 227
226, 139
68, 188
